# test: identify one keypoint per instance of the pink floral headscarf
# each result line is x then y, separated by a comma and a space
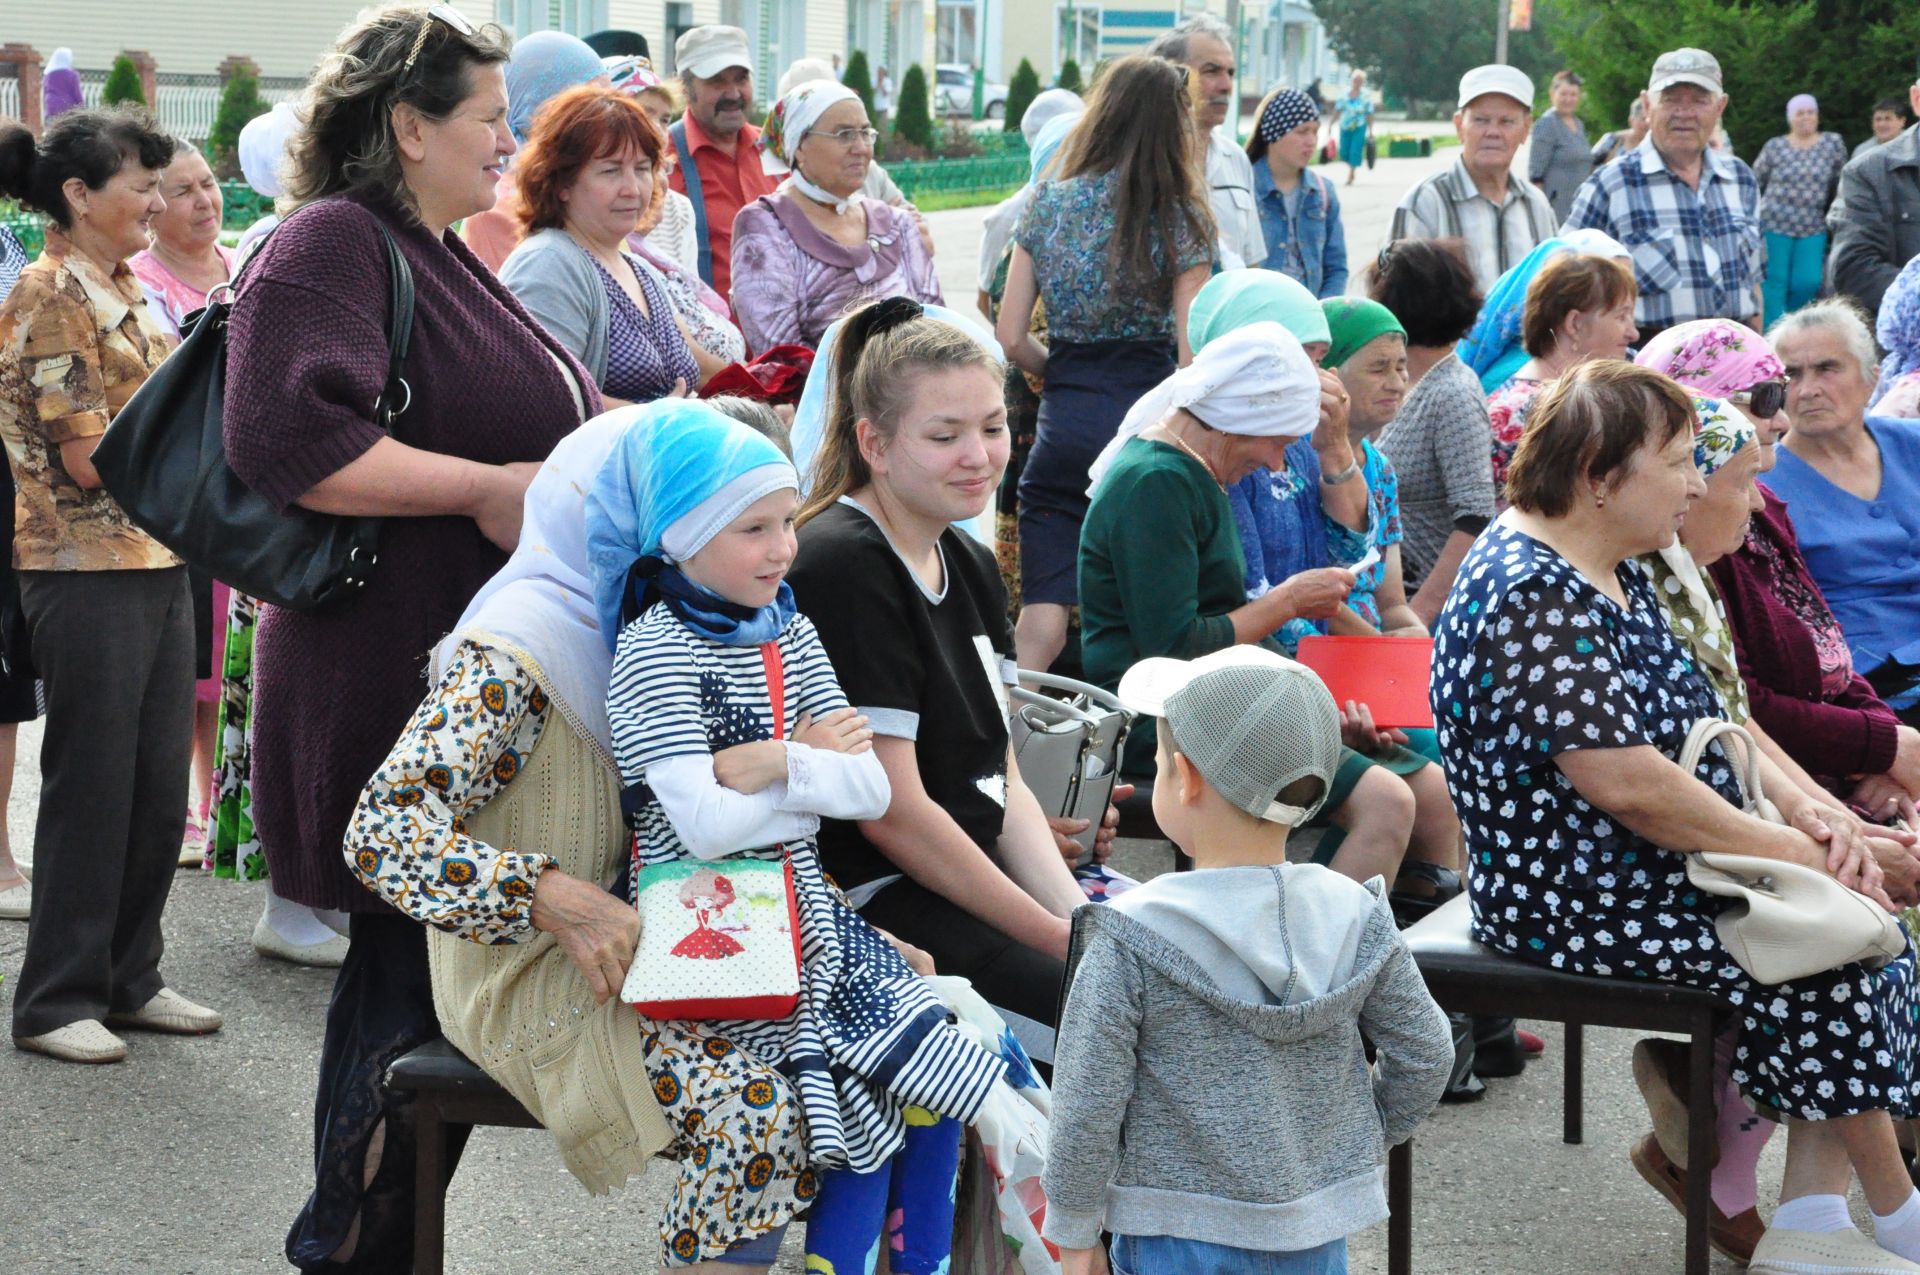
1715, 356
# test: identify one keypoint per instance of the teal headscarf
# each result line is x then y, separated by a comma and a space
1354, 321
1493, 348
679, 459
1047, 143
1233, 299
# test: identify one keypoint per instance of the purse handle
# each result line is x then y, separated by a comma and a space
1708, 729
1053, 681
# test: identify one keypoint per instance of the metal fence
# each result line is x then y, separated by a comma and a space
185, 105
9, 97
919, 178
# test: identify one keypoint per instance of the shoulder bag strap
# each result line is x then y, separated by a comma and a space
776, 686
399, 332
690, 173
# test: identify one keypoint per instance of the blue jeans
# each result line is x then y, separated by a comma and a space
1165, 1255
1795, 268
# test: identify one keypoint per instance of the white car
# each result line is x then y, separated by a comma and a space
953, 92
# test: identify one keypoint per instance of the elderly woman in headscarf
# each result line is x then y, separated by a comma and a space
1299, 212
1898, 330
59, 86
543, 66
817, 246
996, 232
877, 184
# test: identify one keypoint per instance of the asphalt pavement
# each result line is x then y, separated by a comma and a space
191, 1157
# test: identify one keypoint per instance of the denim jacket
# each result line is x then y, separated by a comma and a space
1323, 240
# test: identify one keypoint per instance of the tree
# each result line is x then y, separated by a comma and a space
1070, 77
913, 115
859, 78
123, 84
1020, 94
1418, 49
240, 101
1852, 52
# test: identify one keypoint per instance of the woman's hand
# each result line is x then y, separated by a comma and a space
751, 768
1358, 732
501, 502
1330, 435
1882, 798
1851, 864
916, 958
841, 731
1065, 830
597, 931
1316, 594
1899, 868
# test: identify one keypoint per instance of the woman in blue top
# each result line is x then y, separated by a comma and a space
1853, 484
1563, 699
1117, 244
1299, 213
1354, 112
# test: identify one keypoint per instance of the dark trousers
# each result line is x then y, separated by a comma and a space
382, 1007
114, 650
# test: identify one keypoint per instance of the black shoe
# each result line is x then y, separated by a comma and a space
1496, 1049
1462, 1085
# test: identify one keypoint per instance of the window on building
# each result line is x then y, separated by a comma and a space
1077, 36
679, 22
956, 34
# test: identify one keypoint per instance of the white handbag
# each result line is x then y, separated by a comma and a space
1785, 921
1068, 750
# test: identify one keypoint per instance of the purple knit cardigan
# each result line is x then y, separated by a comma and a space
1851, 733
307, 356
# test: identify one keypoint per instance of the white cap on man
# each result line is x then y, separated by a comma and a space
1686, 66
1508, 81
704, 52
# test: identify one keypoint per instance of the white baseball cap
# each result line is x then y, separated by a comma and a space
1508, 81
1686, 66
704, 52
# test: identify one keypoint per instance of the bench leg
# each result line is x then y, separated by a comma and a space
1700, 1122
429, 1188
1574, 1091
1400, 1209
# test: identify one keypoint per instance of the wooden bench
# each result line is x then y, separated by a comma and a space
1466, 977
449, 1093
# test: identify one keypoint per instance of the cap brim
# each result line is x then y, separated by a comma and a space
1509, 94
1148, 685
1698, 81
711, 65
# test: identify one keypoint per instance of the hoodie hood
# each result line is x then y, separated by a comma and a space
1287, 951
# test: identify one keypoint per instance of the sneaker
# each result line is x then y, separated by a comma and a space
1734, 1237
193, 842
1848, 1252
1660, 1071
172, 1013
86, 1041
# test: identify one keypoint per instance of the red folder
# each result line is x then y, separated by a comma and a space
1387, 674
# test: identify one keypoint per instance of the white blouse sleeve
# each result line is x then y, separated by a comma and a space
713, 821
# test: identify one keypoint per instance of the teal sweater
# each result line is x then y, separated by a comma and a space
1160, 569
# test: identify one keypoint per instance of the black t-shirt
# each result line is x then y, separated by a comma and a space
933, 670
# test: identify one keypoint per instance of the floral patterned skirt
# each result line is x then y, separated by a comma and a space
233, 847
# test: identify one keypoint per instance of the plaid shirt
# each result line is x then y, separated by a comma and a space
1696, 254
13, 259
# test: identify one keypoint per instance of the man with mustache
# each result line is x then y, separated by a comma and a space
719, 168
1478, 198
1689, 214
1204, 45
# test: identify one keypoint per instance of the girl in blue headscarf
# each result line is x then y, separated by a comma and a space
689, 537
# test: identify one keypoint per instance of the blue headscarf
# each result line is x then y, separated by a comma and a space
676, 458
1047, 143
1493, 348
1898, 328
543, 66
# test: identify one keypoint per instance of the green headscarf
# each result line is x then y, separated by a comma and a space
1234, 298
1354, 321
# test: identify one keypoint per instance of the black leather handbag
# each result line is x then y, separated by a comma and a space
164, 459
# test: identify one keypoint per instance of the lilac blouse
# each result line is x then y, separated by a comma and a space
790, 281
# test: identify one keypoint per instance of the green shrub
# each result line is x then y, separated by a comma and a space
123, 84
1070, 77
240, 101
1020, 94
913, 113
859, 78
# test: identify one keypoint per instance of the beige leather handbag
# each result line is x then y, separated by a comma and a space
1783, 921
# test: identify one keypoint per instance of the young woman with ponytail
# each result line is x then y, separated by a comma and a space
913, 615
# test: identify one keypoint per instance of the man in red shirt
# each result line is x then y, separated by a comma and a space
719, 168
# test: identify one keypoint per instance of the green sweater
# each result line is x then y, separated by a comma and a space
1160, 569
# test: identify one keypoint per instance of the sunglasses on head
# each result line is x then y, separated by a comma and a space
1765, 400
443, 13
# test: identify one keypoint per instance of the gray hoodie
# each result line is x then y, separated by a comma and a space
1211, 1083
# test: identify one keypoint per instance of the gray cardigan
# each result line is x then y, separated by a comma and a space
555, 279
1210, 1081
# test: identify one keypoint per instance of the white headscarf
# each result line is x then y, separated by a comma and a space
1255, 381
810, 418
542, 600
787, 125
263, 146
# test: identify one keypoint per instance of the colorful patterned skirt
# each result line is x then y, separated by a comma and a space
233, 847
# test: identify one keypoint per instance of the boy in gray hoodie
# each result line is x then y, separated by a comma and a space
1212, 1102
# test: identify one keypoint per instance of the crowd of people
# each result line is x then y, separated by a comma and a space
713, 545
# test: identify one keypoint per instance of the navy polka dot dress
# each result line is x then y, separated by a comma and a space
1530, 661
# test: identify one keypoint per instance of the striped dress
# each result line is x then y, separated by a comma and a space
869, 1037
